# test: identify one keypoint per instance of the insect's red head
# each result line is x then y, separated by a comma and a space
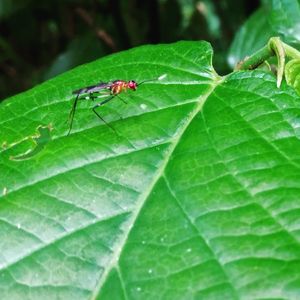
132, 85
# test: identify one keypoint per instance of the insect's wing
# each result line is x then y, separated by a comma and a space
93, 88
78, 92
102, 85
85, 90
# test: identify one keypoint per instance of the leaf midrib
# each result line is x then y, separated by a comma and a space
144, 196
173, 143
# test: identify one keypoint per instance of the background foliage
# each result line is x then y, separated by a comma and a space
40, 39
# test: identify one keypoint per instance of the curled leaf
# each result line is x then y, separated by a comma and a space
292, 74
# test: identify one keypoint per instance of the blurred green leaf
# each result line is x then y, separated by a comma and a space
252, 36
8, 7
284, 18
292, 74
274, 18
196, 197
81, 50
213, 20
187, 9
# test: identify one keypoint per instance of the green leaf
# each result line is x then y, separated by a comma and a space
275, 18
81, 50
292, 74
252, 36
284, 18
196, 197
9, 7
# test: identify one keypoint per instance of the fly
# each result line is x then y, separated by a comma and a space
103, 89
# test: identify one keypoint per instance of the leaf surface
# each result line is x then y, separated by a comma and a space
195, 197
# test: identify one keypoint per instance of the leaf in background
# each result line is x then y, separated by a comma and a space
80, 50
274, 18
292, 74
284, 18
196, 197
187, 10
9, 7
252, 36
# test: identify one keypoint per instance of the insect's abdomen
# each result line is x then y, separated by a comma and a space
118, 86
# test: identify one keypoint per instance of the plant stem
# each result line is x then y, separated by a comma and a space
275, 47
256, 59
290, 51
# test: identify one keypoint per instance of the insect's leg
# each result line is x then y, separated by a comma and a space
79, 96
93, 95
98, 95
89, 96
101, 95
122, 99
100, 104
72, 113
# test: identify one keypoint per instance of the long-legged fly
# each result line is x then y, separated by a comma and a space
103, 89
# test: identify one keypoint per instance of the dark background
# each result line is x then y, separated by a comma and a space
40, 39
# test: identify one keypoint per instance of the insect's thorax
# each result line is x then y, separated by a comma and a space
118, 86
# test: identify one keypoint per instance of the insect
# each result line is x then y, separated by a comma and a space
102, 89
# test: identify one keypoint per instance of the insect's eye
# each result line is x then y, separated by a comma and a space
132, 85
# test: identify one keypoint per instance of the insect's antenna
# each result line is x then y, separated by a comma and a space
148, 80
72, 113
154, 79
